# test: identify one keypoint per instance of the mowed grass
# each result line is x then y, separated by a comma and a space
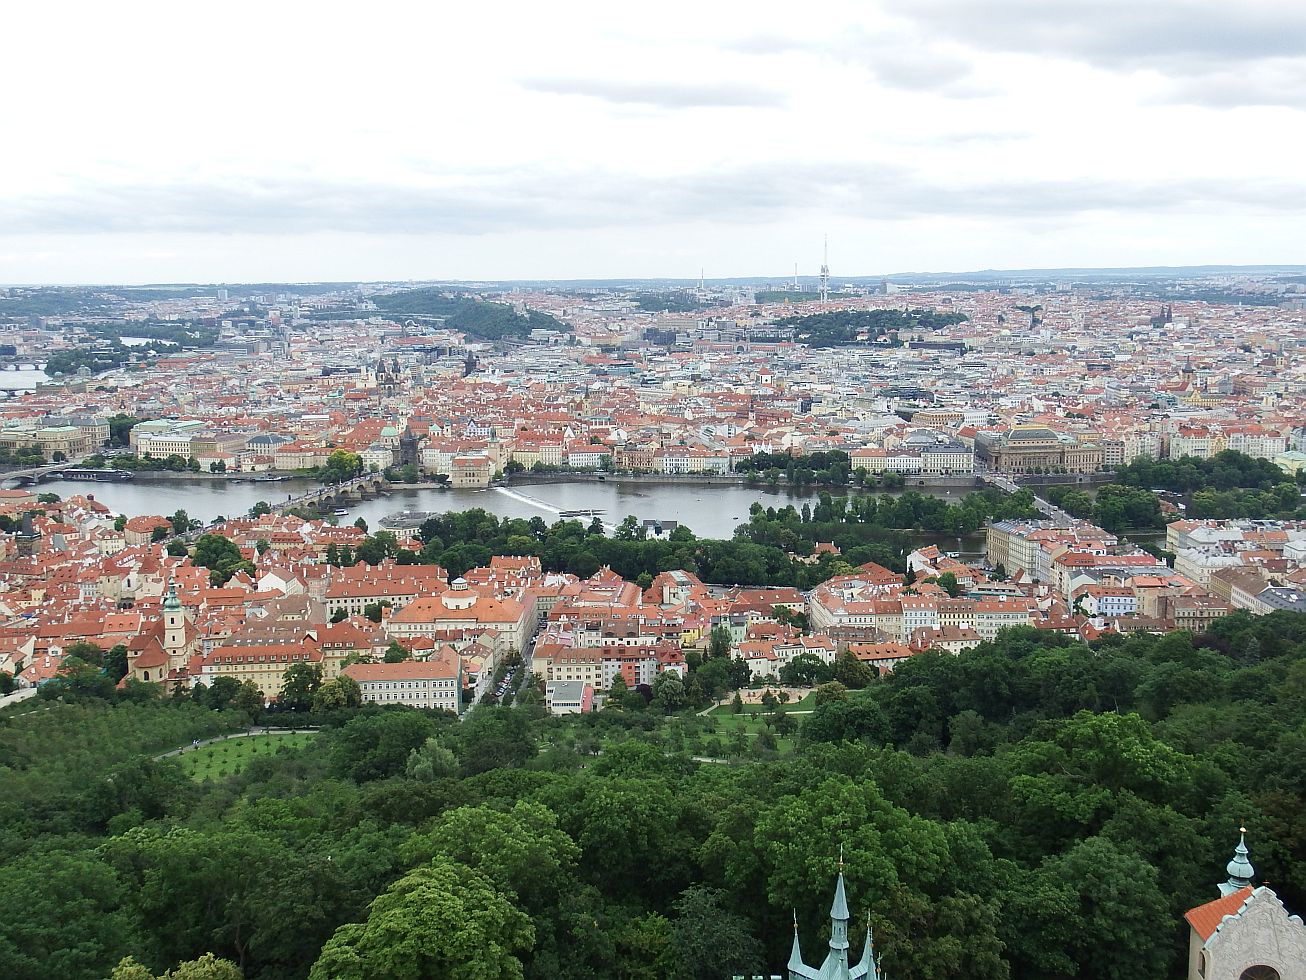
751, 724
230, 756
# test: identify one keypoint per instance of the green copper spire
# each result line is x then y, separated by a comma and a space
867, 963
1240, 869
171, 603
796, 955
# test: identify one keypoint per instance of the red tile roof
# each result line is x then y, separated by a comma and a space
1205, 919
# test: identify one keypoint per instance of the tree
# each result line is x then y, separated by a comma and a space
298, 685
89, 652
120, 427
115, 662
260, 508
431, 761
340, 466
719, 642
207, 967
948, 583
249, 700
668, 692
710, 940
376, 746
1080, 908
7, 683
397, 653
851, 672
440, 920
522, 850
338, 694
373, 610
220, 556
75, 920
851, 719
262, 546
805, 670
339, 616
180, 522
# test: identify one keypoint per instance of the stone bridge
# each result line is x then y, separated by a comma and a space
364, 487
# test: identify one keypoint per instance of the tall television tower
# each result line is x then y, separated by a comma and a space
825, 272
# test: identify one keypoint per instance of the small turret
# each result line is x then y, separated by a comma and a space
796, 965
867, 963
1240, 869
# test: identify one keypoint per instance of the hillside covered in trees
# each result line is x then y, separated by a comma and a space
843, 328
1033, 807
488, 321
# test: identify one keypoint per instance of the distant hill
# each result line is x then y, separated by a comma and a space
488, 321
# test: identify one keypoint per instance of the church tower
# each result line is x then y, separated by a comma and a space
1246, 933
178, 635
835, 966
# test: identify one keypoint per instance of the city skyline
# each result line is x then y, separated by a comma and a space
607, 144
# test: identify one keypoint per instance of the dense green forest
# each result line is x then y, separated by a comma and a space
102, 356
793, 296
1229, 484
1116, 507
673, 302
51, 301
845, 327
180, 333
1034, 807
489, 321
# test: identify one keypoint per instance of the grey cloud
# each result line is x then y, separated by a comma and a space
1279, 82
1122, 31
659, 93
897, 59
524, 201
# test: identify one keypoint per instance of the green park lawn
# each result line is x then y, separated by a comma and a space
750, 723
230, 756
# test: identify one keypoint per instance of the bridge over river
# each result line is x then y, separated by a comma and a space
363, 487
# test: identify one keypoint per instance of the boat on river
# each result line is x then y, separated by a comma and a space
406, 520
99, 476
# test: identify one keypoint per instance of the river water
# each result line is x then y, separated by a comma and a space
23, 379
709, 511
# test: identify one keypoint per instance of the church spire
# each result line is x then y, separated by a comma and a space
836, 962
867, 963
796, 955
1240, 869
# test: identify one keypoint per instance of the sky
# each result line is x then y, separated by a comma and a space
295, 141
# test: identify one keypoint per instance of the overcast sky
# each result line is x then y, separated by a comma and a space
491, 140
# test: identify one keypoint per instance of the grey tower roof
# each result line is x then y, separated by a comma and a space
839, 910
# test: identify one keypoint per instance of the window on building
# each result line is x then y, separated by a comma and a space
1259, 973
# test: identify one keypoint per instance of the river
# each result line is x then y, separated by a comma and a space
709, 511
24, 379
